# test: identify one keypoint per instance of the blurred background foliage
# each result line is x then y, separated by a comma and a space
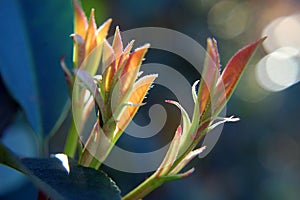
256, 158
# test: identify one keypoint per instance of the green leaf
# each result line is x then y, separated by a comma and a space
61, 178
194, 91
91, 62
171, 155
35, 34
91, 86
186, 125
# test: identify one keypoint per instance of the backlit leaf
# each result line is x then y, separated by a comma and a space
90, 38
171, 154
209, 76
102, 31
232, 73
80, 20
132, 67
136, 96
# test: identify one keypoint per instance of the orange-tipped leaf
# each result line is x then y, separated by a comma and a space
132, 67
90, 38
80, 21
136, 97
102, 31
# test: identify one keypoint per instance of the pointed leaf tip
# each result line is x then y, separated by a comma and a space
178, 131
232, 73
80, 20
191, 155
117, 44
132, 67
103, 30
128, 47
138, 93
91, 32
187, 173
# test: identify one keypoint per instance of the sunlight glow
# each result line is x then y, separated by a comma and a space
281, 32
228, 19
279, 70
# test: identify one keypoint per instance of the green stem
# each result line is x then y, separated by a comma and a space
86, 159
9, 159
72, 139
95, 164
89, 160
144, 188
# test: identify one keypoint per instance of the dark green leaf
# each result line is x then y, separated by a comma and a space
51, 176
34, 35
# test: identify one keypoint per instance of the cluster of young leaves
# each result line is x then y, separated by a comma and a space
31, 73
118, 92
213, 93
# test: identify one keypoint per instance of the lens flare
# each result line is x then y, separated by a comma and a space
281, 32
279, 70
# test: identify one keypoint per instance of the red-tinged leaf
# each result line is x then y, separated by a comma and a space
201, 131
232, 73
119, 94
68, 74
210, 75
120, 65
123, 58
102, 31
90, 38
117, 44
80, 21
171, 155
78, 50
138, 93
132, 67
